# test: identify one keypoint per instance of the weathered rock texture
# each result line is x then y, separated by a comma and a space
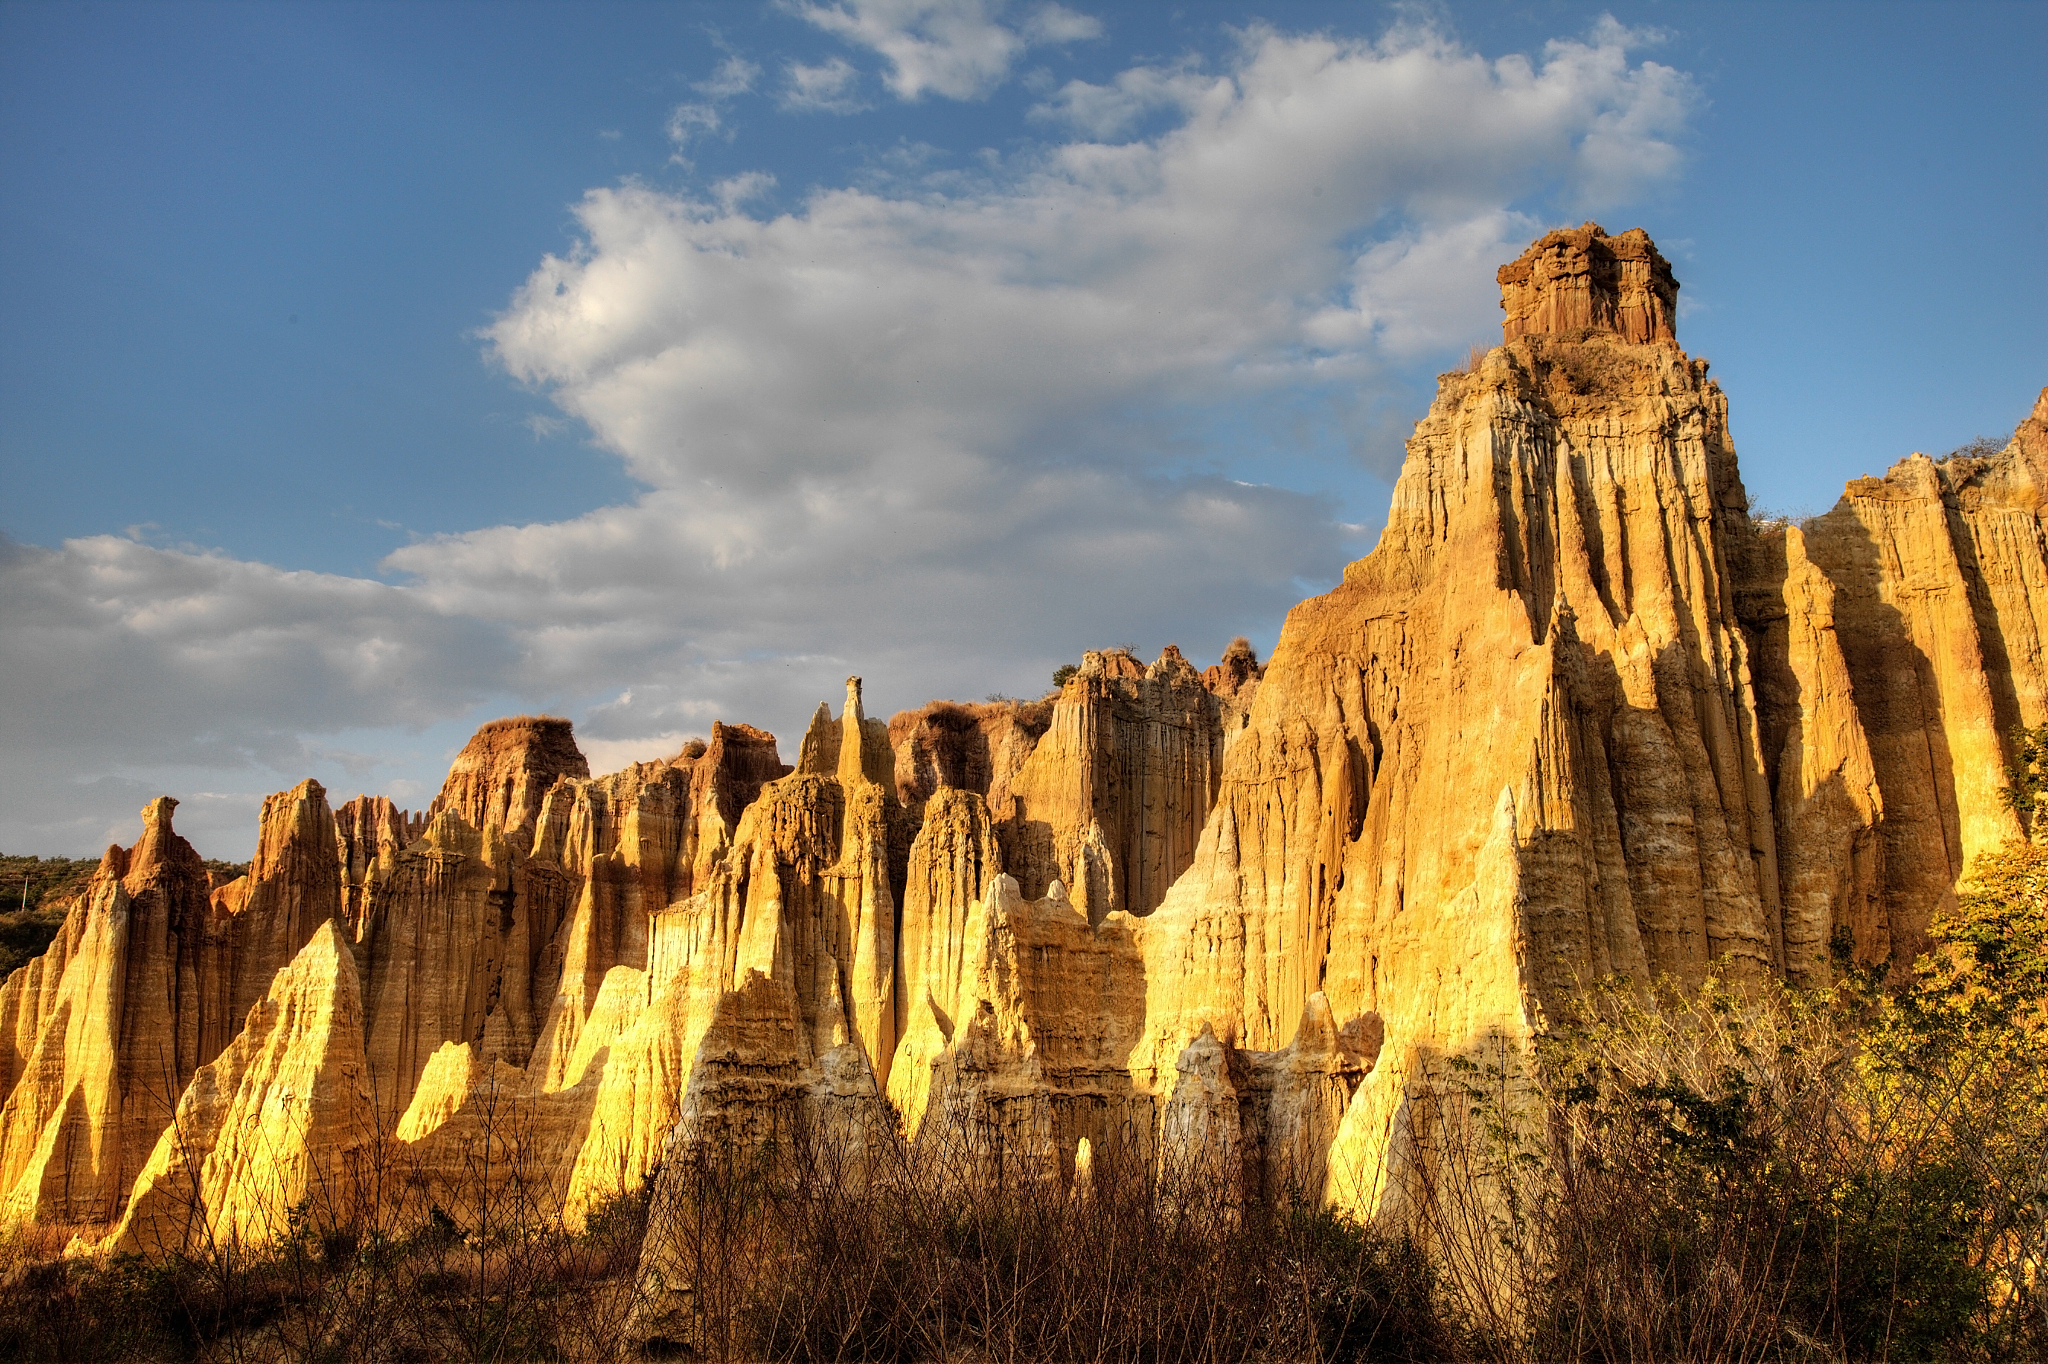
507, 768
1581, 279
279, 1123
1576, 716
149, 979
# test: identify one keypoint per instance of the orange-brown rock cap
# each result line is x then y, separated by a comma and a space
1581, 279
506, 768
730, 770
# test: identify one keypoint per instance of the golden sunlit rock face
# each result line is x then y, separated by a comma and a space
1579, 715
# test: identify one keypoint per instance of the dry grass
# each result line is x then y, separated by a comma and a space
922, 1253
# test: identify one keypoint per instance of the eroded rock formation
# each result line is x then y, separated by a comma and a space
1578, 715
1579, 279
279, 1124
507, 769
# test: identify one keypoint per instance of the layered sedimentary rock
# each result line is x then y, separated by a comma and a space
970, 746
455, 946
1940, 600
371, 832
1037, 1057
1576, 716
294, 885
1817, 758
759, 1087
942, 938
633, 968
1112, 799
813, 875
278, 1125
1580, 279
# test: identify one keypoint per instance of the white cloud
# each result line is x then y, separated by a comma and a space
1394, 296
741, 189
944, 434
1058, 24
1106, 112
689, 121
734, 76
827, 88
124, 662
955, 48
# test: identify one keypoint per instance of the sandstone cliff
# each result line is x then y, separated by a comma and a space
1576, 716
279, 1123
149, 979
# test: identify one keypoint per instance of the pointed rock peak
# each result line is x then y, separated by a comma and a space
157, 814
1206, 1056
290, 820
864, 752
449, 832
818, 755
1317, 1034
1580, 279
279, 1116
443, 1088
1004, 896
326, 953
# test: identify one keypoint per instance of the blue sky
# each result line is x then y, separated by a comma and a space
370, 370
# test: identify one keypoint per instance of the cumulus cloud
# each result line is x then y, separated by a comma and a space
944, 430
1393, 297
122, 659
956, 48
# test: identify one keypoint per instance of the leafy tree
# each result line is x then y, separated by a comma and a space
2026, 777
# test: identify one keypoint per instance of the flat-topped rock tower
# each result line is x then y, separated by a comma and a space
1580, 279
